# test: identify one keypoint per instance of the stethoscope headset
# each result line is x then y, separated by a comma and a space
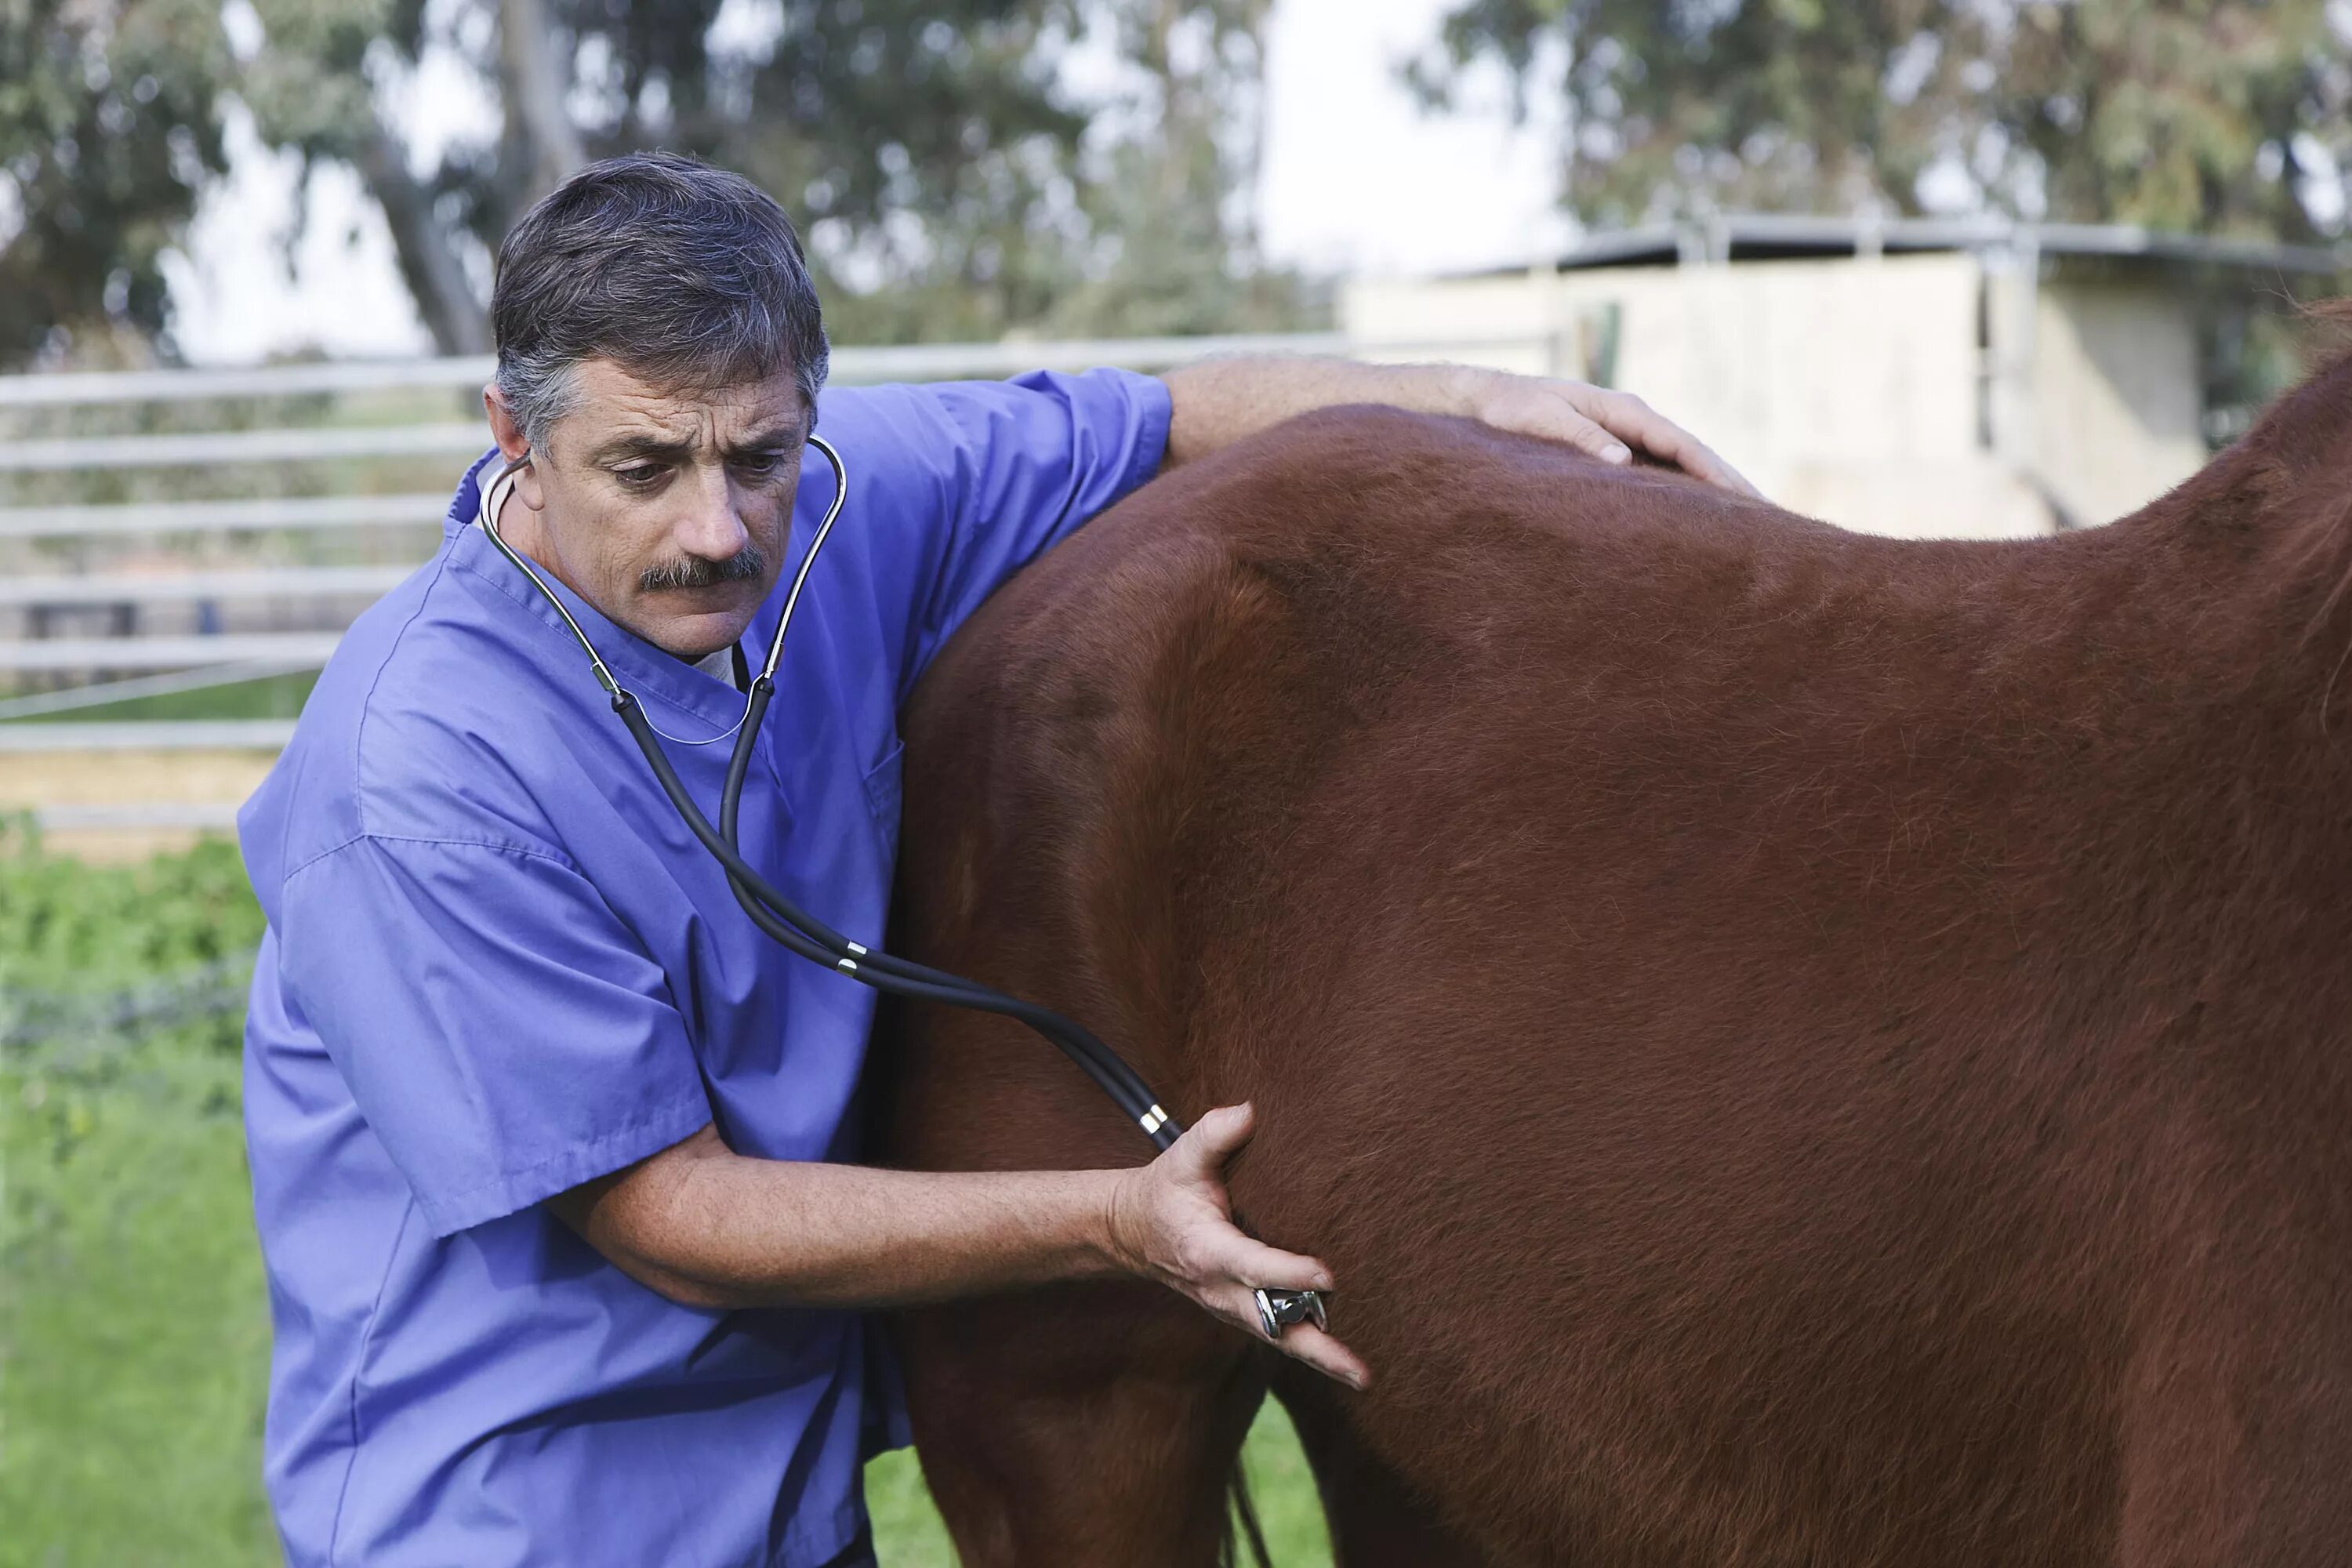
801, 932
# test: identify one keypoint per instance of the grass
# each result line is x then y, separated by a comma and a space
132, 1325
133, 1333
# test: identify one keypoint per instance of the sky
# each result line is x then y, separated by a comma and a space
1354, 179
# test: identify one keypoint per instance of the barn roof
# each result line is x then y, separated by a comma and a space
1758, 237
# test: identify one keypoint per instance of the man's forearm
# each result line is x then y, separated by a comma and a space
1221, 401
708, 1228
1218, 402
712, 1228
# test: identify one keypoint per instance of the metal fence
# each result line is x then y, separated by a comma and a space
242, 547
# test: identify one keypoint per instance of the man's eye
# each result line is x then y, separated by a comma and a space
760, 464
637, 475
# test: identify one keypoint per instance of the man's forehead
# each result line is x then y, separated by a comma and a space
610, 401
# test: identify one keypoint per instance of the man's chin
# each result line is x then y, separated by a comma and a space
699, 635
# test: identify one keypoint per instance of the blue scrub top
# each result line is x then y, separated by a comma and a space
498, 966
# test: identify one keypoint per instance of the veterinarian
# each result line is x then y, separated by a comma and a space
551, 1147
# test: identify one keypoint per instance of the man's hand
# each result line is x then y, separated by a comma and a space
1171, 1221
1608, 424
1220, 401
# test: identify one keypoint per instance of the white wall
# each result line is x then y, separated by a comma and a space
2115, 417
1846, 388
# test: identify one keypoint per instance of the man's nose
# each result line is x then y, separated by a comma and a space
711, 527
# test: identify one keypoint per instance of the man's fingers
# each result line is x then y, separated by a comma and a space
1636, 422
1549, 411
1305, 1342
1608, 424
1256, 1265
1580, 430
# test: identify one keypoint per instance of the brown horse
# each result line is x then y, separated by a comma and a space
1799, 1048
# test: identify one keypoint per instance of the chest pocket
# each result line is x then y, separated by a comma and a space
882, 791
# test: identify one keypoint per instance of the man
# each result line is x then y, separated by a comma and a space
548, 1142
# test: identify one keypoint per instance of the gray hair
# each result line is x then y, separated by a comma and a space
684, 275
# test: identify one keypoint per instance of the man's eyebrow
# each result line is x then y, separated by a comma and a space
677, 449
643, 445
775, 438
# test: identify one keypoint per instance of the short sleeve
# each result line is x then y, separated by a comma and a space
970, 481
501, 1032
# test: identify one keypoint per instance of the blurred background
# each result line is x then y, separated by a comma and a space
1976, 267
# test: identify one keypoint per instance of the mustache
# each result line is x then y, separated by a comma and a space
700, 571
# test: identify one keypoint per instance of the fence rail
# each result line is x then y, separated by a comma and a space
325, 377
171, 816
293, 649
259, 514
180, 587
219, 446
151, 735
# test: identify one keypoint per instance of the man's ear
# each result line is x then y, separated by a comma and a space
508, 433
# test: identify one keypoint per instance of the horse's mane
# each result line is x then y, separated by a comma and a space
2325, 388
2336, 311
2289, 479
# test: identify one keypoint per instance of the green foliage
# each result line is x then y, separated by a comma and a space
66, 927
133, 1340
949, 187
107, 129
1177, 249
2181, 114
855, 110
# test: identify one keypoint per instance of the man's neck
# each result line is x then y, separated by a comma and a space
720, 665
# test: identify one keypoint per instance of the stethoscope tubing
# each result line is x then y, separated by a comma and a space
778, 915
1105, 1065
789, 924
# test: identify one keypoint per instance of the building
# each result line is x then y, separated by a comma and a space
1915, 376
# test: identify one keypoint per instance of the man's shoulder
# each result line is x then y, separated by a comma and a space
406, 735
888, 424
922, 411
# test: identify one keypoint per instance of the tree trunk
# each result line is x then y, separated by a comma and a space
427, 251
535, 94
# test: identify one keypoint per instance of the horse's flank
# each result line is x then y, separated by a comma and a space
1799, 1046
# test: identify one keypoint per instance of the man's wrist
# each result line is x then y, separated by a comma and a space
1466, 389
1458, 390
1109, 1230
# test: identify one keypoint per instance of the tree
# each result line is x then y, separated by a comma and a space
1173, 208
2214, 116
108, 131
946, 184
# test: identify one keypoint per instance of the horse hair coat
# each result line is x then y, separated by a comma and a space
1799, 1048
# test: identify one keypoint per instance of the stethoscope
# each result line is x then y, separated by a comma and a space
803, 933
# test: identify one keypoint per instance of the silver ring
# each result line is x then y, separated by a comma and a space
1277, 1309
